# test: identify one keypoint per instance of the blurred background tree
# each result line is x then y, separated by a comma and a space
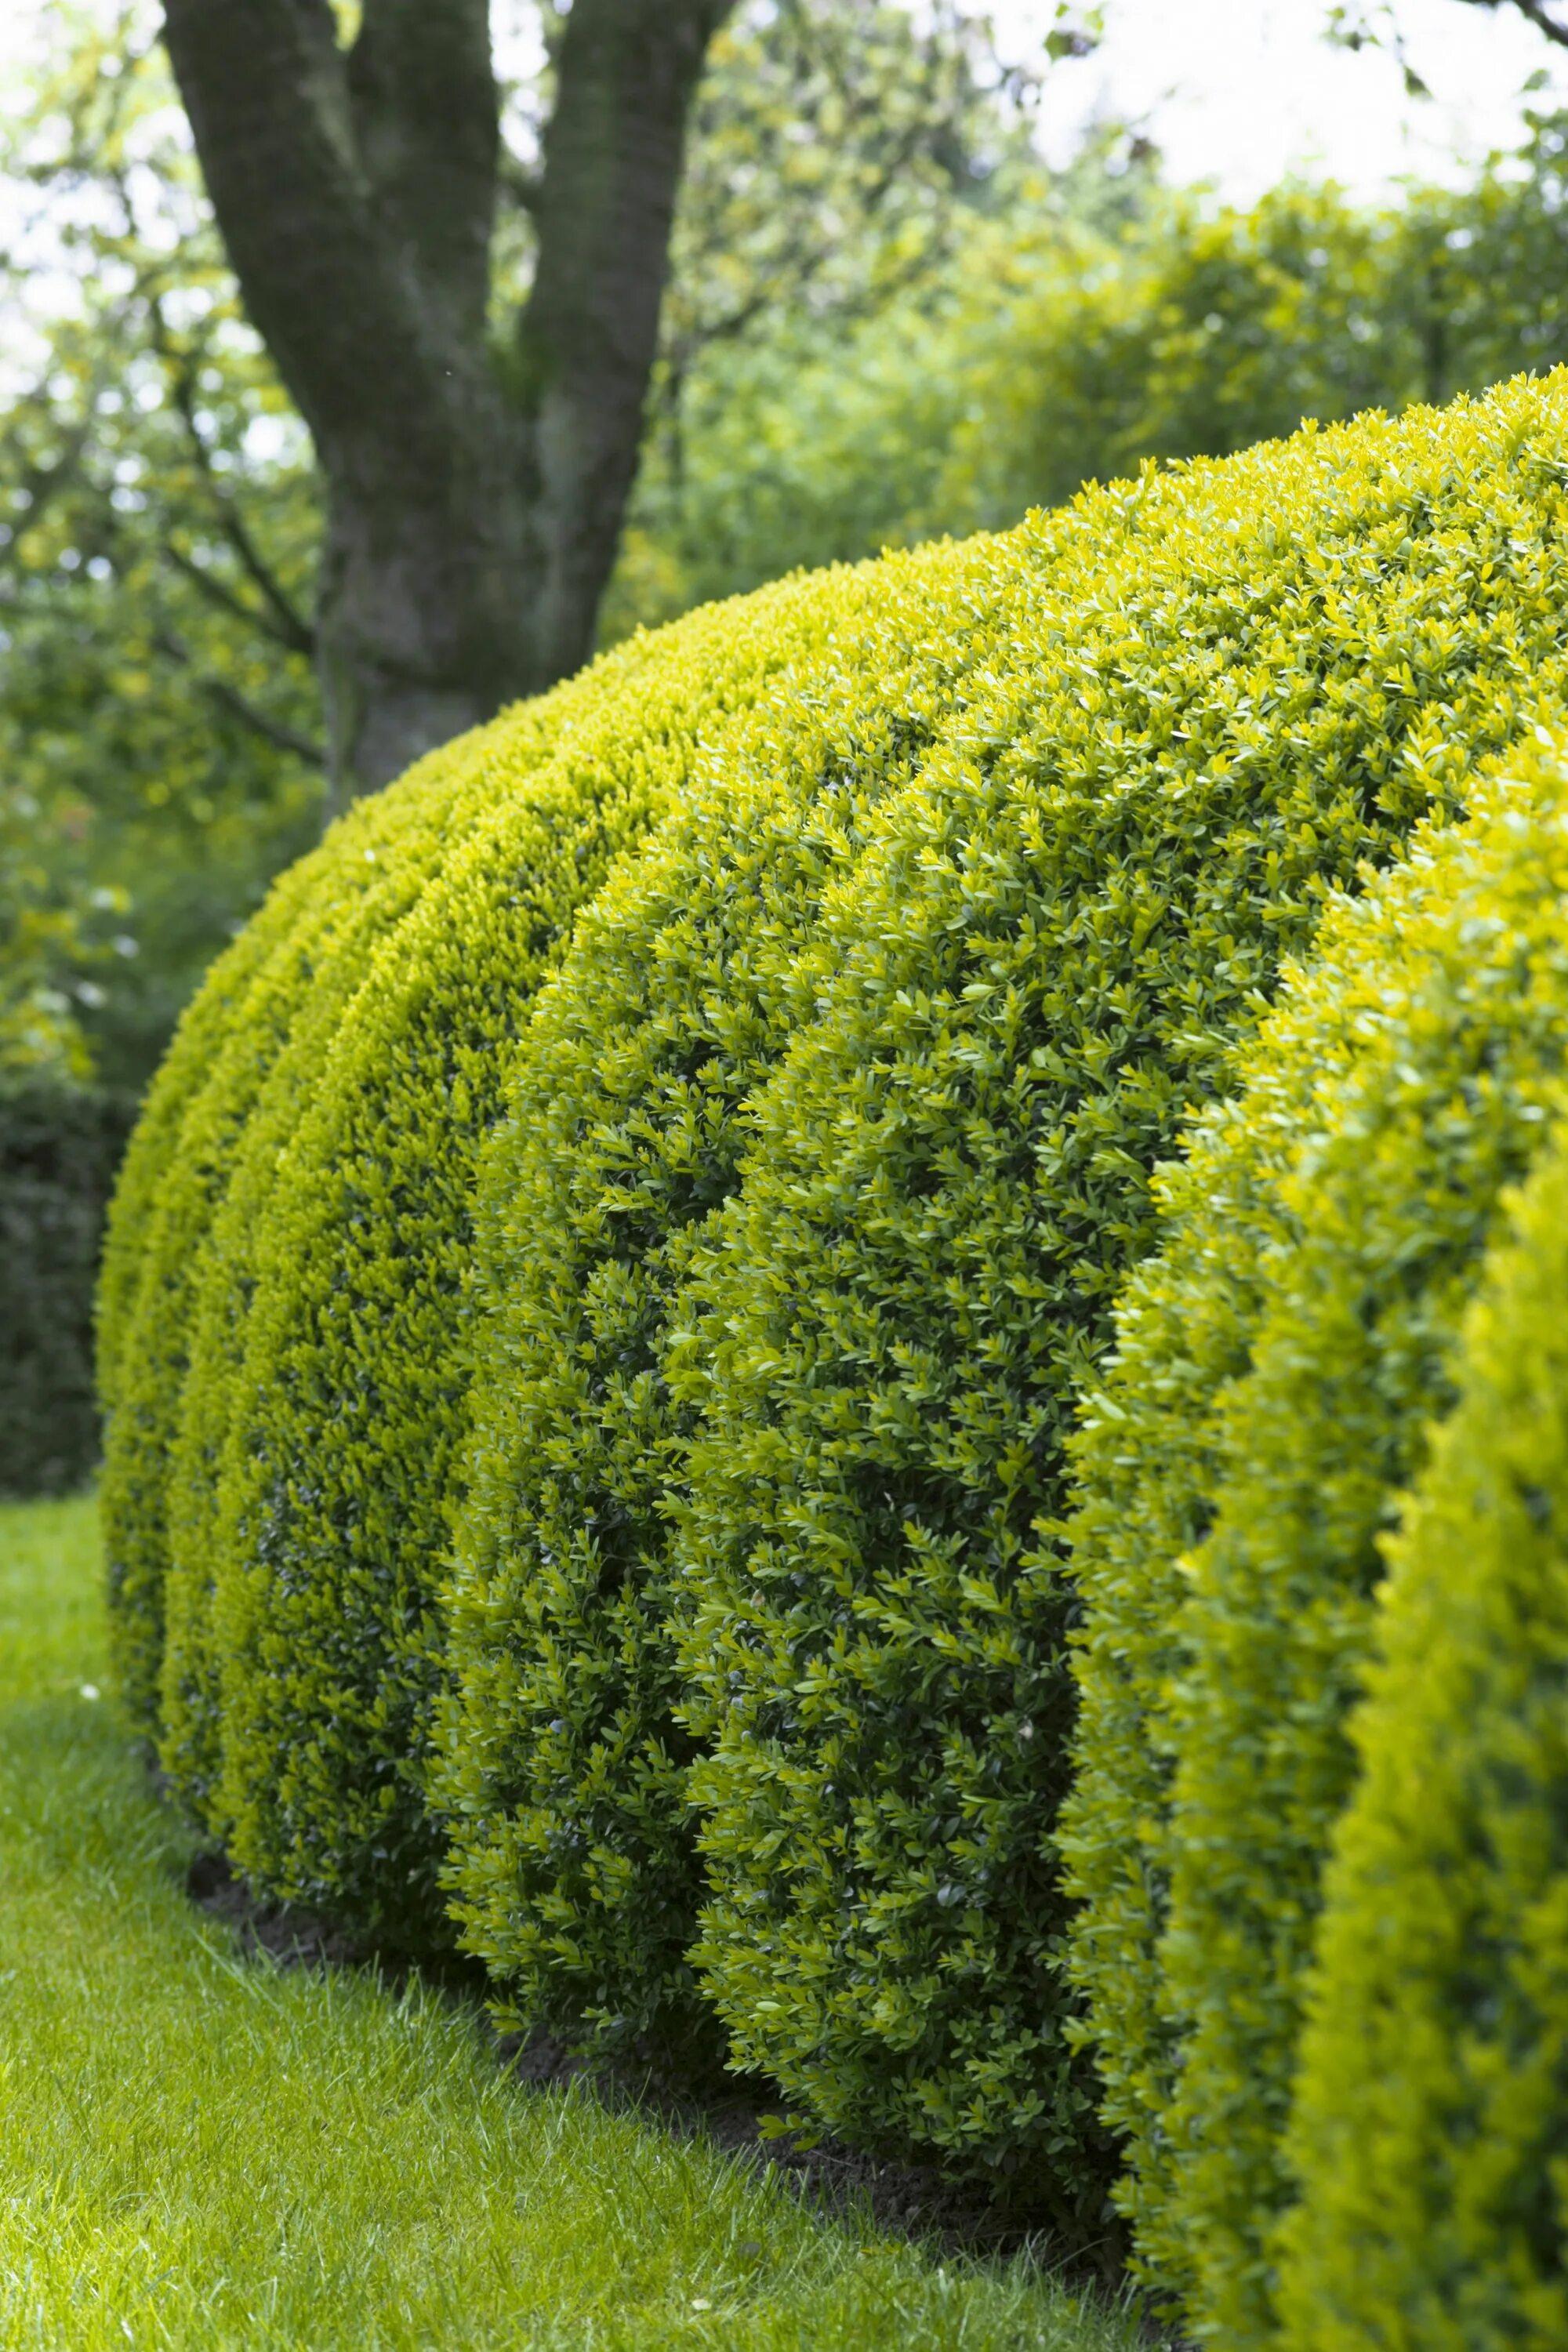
886, 320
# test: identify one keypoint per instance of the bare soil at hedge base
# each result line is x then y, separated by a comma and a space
916, 2200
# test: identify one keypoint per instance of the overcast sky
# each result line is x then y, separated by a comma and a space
1237, 91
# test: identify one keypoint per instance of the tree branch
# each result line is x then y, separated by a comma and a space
218, 594
427, 117
276, 731
286, 625
273, 730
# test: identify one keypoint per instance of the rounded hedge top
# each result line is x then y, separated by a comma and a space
1275, 1368
1428, 2136
1047, 953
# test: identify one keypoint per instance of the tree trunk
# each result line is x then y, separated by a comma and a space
475, 491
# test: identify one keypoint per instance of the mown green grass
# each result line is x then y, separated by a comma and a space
201, 2150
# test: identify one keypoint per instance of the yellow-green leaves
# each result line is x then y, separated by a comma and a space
564, 1766
1275, 1368
709, 1156
1060, 932
329, 1355
1427, 2139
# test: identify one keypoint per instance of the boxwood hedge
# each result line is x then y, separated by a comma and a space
287, 978
829, 1149
177, 1167
1275, 1370
565, 1769
328, 1382
1428, 2134
1049, 952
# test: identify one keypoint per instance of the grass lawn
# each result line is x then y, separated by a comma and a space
199, 2150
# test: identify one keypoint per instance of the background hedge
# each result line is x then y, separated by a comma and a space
1276, 1367
59, 1146
1428, 2135
564, 1765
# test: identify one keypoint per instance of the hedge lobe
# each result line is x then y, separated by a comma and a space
177, 1167
313, 1464
564, 1766
1276, 1367
1428, 2135
1268, 670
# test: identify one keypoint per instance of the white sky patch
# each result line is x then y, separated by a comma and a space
1240, 93
1235, 92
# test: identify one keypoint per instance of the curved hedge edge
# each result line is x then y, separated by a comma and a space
270, 1072
154, 1140
175, 1173
1274, 1370
356, 882
1050, 956
563, 1768
1426, 2138
313, 1567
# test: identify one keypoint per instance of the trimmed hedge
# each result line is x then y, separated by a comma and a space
59, 1146
258, 1029
899, 921
1429, 2132
328, 1377
1276, 1367
307, 936
563, 1770
1270, 668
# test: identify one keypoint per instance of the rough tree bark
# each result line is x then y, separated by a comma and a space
475, 487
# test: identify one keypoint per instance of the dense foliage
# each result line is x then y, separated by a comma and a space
904, 330
1427, 2134
306, 944
326, 1388
1082, 325
602, 1296
59, 1146
1276, 1367
573, 1860
1261, 675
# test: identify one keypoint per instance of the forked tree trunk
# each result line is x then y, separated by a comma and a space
477, 474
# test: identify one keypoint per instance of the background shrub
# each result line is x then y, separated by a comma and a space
329, 1374
1428, 2129
59, 1146
563, 1766
1047, 953
1275, 1370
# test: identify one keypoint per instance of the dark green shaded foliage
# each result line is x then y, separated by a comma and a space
59, 1147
